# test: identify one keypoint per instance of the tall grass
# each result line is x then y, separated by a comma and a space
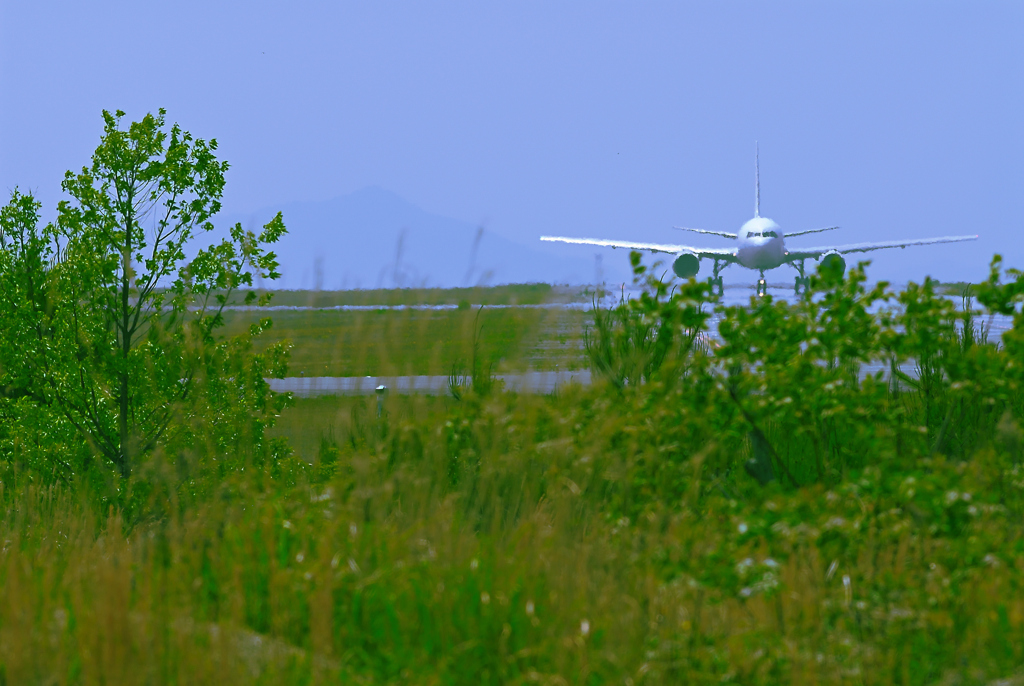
609, 534
490, 545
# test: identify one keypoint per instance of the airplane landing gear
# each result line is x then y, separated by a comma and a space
803, 282
762, 286
716, 281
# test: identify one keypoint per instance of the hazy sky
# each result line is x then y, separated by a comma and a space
892, 119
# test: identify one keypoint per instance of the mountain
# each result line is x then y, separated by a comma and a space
374, 238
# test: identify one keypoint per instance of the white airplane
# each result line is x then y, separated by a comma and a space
760, 245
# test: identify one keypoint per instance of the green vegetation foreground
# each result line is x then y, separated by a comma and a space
756, 512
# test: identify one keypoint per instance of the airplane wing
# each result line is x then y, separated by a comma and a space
720, 253
804, 253
724, 234
807, 231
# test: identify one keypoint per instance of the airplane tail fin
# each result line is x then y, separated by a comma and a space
757, 180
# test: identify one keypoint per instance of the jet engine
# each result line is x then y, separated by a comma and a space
686, 265
833, 262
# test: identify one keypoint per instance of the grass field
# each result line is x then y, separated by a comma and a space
401, 342
511, 294
623, 533
524, 564
412, 342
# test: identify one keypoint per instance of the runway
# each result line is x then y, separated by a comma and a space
536, 381
529, 382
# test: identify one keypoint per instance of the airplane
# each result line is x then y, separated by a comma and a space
760, 245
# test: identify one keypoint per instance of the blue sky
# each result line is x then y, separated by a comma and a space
606, 119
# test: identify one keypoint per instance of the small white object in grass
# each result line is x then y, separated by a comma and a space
584, 627
529, 607
742, 527
473, 564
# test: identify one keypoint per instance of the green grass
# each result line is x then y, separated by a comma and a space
604, 535
315, 423
511, 294
413, 342
493, 541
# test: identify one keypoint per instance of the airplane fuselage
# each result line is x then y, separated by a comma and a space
761, 245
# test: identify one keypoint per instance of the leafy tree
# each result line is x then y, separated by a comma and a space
114, 325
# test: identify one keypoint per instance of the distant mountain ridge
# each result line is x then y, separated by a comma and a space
374, 238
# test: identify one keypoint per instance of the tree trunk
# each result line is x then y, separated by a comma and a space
124, 462
124, 456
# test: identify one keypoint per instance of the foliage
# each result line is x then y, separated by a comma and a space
110, 350
802, 387
1006, 299
629, 343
